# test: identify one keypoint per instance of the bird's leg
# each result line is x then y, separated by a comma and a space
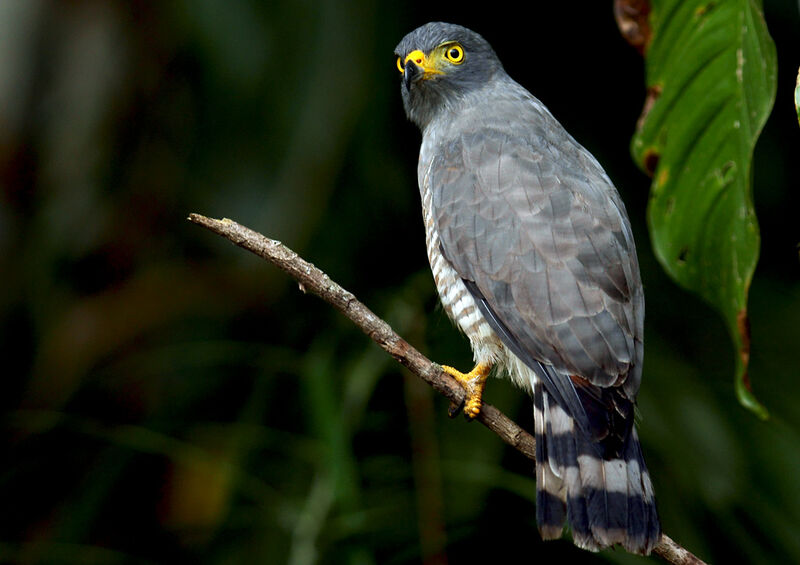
473, 383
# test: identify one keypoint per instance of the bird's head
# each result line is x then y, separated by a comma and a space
440, 64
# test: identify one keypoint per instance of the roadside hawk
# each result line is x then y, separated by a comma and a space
534, 260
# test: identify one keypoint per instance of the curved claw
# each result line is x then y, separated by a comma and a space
473, 383
454, 409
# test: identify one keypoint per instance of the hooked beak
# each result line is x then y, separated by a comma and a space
411, 73
417, 66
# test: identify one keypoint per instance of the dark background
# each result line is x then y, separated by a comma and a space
169, 398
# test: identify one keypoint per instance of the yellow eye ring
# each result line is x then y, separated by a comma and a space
400, 65
454, 53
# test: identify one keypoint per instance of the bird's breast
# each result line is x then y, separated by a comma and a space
453, 293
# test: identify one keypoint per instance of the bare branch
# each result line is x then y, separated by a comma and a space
311, 279
674, 553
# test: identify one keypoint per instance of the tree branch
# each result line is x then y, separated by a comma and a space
311, 279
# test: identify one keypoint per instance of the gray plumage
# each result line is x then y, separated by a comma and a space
534, 259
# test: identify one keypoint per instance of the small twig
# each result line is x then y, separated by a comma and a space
313, 280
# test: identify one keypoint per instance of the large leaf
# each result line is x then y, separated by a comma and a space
711, 80
797, 95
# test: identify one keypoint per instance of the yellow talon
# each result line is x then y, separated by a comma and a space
473, 383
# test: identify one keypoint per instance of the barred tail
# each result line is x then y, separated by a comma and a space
605, 502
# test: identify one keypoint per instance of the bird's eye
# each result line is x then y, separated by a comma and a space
455, 54
400, 65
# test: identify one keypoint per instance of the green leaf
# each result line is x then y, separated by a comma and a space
797, 96
711, 81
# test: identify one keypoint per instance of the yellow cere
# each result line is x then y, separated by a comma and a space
417, 57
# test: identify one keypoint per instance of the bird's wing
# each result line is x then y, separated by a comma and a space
533, 225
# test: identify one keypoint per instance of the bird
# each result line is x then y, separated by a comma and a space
534, 260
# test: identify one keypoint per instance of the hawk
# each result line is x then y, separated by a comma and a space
534, 260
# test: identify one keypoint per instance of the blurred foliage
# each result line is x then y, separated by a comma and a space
170, 398
711, 79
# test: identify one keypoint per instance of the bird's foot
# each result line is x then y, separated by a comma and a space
473, 383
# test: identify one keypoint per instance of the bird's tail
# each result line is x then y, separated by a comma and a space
605, 501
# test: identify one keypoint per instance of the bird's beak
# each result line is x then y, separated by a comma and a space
411, 73
418, 66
